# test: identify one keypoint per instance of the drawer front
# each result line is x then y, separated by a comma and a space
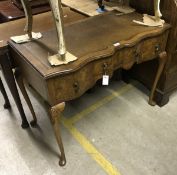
73, 85
124, 58
145, 50
150, 48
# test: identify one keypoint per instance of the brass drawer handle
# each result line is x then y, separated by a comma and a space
76, 87
157, 48
105, 68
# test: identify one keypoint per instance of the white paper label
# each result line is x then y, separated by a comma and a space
105, 81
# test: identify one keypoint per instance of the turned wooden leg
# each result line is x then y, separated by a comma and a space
9, 77
3, 91
162, 61
55, 112
21, 85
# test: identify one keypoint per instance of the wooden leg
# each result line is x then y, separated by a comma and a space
162, 99
7, 103
21, 85
162, 61
55, 112
9, 77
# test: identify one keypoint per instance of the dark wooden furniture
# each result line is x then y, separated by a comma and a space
9, 11
33, 3
8, 74
145, 72
42, 22
6, 99
93, 44
6, 31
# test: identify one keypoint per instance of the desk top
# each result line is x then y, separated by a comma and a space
89, 39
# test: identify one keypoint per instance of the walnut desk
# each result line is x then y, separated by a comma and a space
102, 44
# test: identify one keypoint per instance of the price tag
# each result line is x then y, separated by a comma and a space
105, 81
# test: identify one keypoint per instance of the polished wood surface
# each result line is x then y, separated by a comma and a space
82, 35
9, 11
33, 3
97, 56
168, 81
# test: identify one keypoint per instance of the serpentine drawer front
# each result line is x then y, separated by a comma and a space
150, 48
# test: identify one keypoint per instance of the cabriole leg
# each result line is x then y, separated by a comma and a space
55, 112
162, 61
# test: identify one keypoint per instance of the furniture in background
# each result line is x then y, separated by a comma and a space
6, 99
122, 44
11, 10
9, 77
33, 3
145, 72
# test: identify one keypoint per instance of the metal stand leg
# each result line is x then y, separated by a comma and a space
7, 103
9, 77
29, 17
162, 61
100, 4
55, 112
19, 80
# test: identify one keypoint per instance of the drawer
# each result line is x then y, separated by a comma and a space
145, 50
128, 57
73, 85
150, 48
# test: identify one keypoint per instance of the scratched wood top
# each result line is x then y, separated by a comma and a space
93, 38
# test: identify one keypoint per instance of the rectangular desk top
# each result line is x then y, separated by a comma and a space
88, 39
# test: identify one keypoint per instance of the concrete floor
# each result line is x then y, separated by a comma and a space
110, 131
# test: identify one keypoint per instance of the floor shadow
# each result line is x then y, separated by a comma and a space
40, 143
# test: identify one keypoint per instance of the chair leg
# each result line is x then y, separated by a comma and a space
3, 91
55, 112
20, 83
162, 61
